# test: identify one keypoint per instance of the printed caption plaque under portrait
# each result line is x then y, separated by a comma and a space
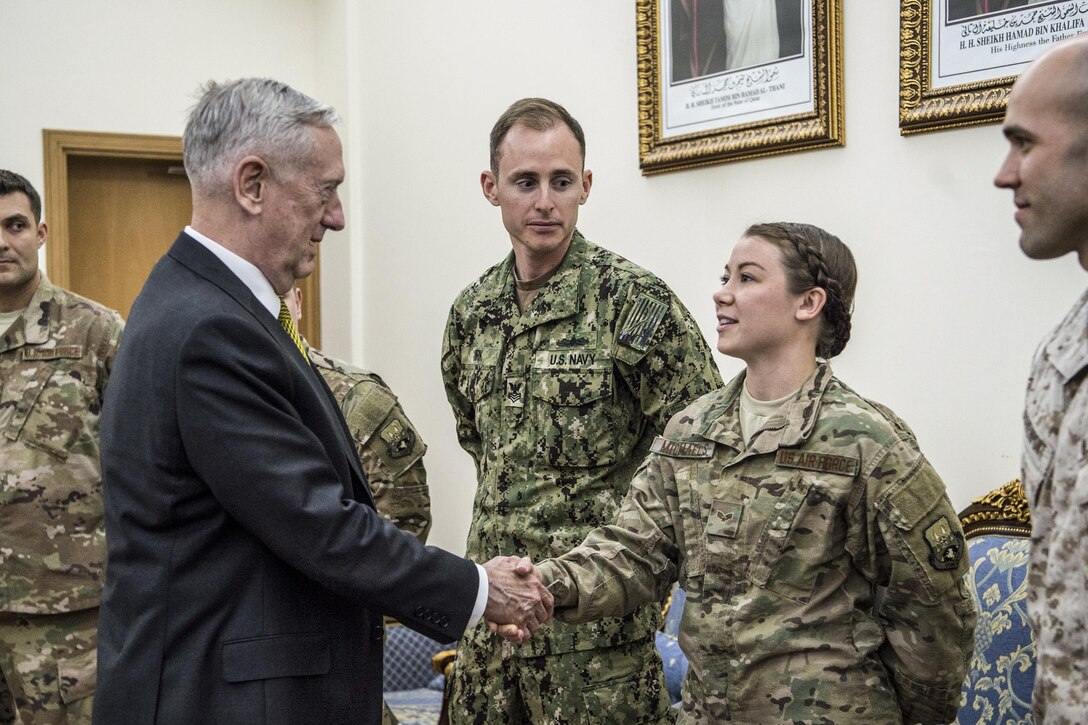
958, 58
723, 80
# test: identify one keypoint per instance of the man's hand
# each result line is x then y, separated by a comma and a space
517, 602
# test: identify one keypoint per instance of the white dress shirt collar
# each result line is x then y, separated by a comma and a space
246, 271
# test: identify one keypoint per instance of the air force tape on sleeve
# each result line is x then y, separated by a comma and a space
682, 449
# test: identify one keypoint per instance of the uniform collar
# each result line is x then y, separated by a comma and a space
791, 428
38, 317
1067, 347
558, 299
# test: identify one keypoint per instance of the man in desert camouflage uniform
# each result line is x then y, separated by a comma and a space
779, 545
389, 446
1047, 170
55, 357
561, 364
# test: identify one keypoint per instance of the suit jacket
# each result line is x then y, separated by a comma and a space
247, 568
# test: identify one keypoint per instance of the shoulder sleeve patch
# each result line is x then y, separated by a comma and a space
821, 462
645, 315
945, 545
399, 438
682, 449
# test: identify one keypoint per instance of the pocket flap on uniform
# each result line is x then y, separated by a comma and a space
283, 655
572, 388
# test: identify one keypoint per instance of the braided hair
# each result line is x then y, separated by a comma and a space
815, 258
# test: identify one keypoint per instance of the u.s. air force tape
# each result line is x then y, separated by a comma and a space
640, 324
822, 462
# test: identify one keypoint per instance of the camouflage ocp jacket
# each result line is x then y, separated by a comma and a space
822, 560
54, 363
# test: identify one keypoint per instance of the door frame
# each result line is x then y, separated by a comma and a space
59, 146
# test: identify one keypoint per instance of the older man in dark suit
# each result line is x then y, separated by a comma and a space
247, 568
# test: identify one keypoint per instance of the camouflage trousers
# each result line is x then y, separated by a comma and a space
47, 663
623, 684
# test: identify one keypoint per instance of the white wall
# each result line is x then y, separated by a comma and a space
134, 66
948, 310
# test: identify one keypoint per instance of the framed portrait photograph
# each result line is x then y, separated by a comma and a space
959, 58
723, 80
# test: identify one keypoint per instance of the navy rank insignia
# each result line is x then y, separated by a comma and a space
639, 327
945, 545
399, 438
515, 392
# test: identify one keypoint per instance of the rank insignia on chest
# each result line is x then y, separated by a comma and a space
398, 438
638, 328
515, 393
945, 545
725, 518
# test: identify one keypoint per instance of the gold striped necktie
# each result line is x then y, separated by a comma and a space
289, 327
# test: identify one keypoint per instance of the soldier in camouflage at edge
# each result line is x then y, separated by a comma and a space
1047, 171
561, 364
389, 446
822, 559
55, 358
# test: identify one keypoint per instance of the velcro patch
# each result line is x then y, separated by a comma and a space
643, 319
822, 462
53, 353
682, 449
945, 545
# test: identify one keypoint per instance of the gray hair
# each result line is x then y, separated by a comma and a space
249, 116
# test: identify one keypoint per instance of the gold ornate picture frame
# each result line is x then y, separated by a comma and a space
958, 58
714, 88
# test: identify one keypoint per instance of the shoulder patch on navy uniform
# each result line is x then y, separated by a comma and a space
822, 462
682, 449
53, 353
646, 314
398, 438
945, 545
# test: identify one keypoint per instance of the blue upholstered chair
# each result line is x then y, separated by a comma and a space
673, 659
412, 690
1002, 670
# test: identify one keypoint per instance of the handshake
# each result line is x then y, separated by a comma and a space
517, 601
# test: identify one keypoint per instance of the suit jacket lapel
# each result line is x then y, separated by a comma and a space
192, 254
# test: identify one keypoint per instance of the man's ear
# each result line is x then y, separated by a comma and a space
43, 233
811, 304
251, 178
488, 185
587, 183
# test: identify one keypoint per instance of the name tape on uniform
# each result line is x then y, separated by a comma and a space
822, 462
682, 449
570, 360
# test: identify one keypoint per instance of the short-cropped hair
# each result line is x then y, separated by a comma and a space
539, 114
257, 116
10, 183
